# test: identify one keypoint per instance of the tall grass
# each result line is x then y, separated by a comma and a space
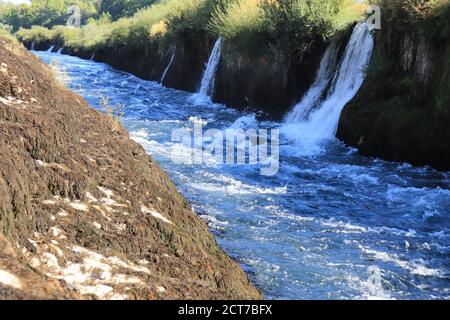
284, 22
245, 22
241, 20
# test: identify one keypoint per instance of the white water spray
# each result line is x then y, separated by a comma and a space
312, 98
168, 66
322, 123
207, 84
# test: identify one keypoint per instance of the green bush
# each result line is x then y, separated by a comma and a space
46, 13
35, 34
295, 25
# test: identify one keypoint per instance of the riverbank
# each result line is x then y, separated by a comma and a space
85, 213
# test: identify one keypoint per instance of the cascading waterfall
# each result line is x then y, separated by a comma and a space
59, 50
323, 121
207, 84
312, 98
51, 48
168, 66
93, 56
32, 46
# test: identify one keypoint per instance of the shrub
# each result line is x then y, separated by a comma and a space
36, 33
242, 21
291, 24
301, 24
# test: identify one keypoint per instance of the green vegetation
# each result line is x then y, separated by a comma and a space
5, 32
46, 13
292, 24
286, 23
123, 8
429, 17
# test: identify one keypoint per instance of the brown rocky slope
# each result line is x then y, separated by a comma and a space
84, 212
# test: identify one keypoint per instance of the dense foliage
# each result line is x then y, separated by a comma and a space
122, 8
430, 17
47, 13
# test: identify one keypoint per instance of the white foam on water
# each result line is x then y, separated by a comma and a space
213, 222
245, 122
416, 267
372, 287
226, 184
198, 120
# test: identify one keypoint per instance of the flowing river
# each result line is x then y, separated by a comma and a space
330, 225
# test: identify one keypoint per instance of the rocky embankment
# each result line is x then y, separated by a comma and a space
84, 212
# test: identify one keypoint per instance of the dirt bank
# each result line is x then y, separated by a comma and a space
84, 212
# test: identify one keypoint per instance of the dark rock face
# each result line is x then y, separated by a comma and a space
268, 83
402, 112
84, 212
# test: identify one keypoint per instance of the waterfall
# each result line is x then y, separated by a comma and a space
168, 66
59, 50
32, 46
93, 56
323, 121
312, 98
207, 84
51, 48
